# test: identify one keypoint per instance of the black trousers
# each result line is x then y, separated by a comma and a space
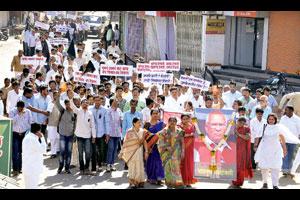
99, 153
252, 156
31, 51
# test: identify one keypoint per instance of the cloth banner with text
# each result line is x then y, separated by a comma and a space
32, 60
157, 78
194, 82
42, 25
57, 41
116, 70
215, 146
89, 78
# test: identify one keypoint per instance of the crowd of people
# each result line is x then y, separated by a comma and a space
86, 124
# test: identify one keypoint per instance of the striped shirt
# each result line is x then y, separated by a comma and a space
21, 123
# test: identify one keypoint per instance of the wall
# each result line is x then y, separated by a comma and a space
214, 49
284, 42
4, 17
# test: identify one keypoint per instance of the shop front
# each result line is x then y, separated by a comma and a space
246, 38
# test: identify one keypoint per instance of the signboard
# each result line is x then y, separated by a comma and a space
215, 146
52, 13
215, 26
70, 16
57, 41
164, 65
142, 68
194, 82
167, 115
42, 25
157, 78
5, 145
32, 60
89, 78
116, 70
245, 13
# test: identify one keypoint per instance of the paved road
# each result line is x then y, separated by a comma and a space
118, 180
114, 180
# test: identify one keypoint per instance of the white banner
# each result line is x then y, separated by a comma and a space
116, 70
30, 60
62, 29
164, 65
70, 16
157, 78
57, 41
42, 25
194, 82
142, 68
52, 13
87, 78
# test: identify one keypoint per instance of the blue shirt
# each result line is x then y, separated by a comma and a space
41, 103
127, 120
21, 123
113, 119
28, 101
267, 111
272, 101
99, 118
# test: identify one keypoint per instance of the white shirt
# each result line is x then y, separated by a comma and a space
32, 154
146, 114
172, 105
1, 108
38, 82
197, 103
293, 124
85, 124
255, 127
12, 99
229, 97
50, 76
114, 49
26, 36
31, 40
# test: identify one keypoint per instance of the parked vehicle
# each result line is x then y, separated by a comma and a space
4, 34
96, 23
277, 83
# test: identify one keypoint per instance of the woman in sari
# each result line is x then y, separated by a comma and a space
187, 163
171, 147
132, 153
243, 153
154, 168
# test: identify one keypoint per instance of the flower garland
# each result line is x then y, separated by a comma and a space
213, 164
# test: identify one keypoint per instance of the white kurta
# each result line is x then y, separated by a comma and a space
32, 159
269, 153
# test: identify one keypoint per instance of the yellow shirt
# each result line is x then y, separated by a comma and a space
16, 64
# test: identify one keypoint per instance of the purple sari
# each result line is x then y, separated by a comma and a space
154, 168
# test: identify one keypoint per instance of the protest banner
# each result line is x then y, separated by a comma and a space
142, 68
194, 82
70, 16
172, 65
215, 146
89, 78
167, 115
52, 13
157, 78
5, 145
116, 70
57, 41
157, 66
62, 29
31, 60
42, 25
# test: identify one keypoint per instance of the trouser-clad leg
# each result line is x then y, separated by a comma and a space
265, 173
87, 152
275, 176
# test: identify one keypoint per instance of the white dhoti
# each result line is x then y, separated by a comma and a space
54, 139
31, 180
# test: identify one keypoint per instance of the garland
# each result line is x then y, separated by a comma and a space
213, 164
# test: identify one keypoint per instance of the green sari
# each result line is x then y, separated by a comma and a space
170, 148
